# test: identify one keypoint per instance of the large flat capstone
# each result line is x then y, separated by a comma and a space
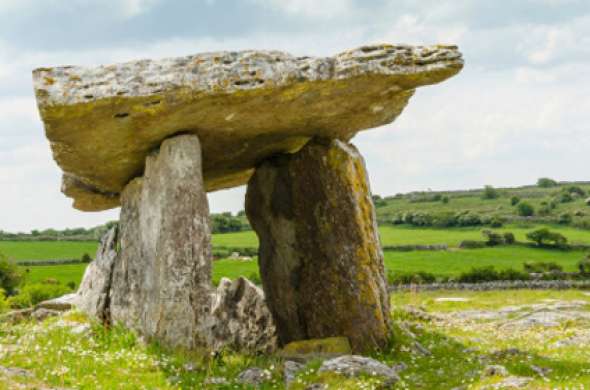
245, 106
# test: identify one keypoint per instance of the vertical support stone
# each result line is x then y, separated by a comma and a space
161, 283
320, 258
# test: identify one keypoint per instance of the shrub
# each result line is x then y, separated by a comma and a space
492, 238
525, 209
575, 190
509, 238
496, 222
584, 266
512, 274
71, 285
490, 192
468, 219
514, 200
540, 267
86, 258
564, 197
587, 202
445, 199
10, 275
479, 274
565, 219
32, 294
546, 182
410, 278
544, 237
472, 244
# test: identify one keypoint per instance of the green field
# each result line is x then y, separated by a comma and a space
64, 273
472, 201
44, 250
390, 235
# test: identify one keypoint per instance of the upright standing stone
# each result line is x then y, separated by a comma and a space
320, 258
162, 278
94, 293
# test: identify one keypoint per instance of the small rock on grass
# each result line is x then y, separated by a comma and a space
512, 382
290, 371
253, 376
354, 365
216, 380
15, 371
317, 386
495, 370
41, 314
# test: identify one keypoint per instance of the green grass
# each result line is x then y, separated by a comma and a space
44, 250
403, 235
452, 263
109, 358
440, 263
64, 273
471, 200
241, 239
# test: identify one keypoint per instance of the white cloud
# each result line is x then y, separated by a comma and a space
519, 109
324, 9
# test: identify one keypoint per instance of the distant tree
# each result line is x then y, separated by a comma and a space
525, 209
575, 190
514, 200
565, 219
10, 275
584, 266
490, 192
493, 238
509, 238
546, 182
544, 237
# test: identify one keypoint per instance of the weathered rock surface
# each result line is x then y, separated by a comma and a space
354, 365
161, 282
153, 274
103, 121
94, 291
320, 259
63, 303
241, 319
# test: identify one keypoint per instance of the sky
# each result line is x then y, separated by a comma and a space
519, 110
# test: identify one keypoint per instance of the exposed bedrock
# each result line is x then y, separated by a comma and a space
320, 259
155, 277
245, 106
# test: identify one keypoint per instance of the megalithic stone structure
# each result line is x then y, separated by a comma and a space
320, 259
153, 136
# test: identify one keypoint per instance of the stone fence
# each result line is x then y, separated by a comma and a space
497, 285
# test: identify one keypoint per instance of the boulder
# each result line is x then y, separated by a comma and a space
103, 121
94, 291
41, 314
320, 258
161, 282
353, 366
241, 318
63, 303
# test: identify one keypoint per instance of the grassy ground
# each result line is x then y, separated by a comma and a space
472, 200
43, 250
440, 263
100, 358
452, 263
390, 235
64, 273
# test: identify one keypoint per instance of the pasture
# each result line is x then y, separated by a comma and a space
441, 263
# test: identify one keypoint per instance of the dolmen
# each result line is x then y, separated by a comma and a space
154, 136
